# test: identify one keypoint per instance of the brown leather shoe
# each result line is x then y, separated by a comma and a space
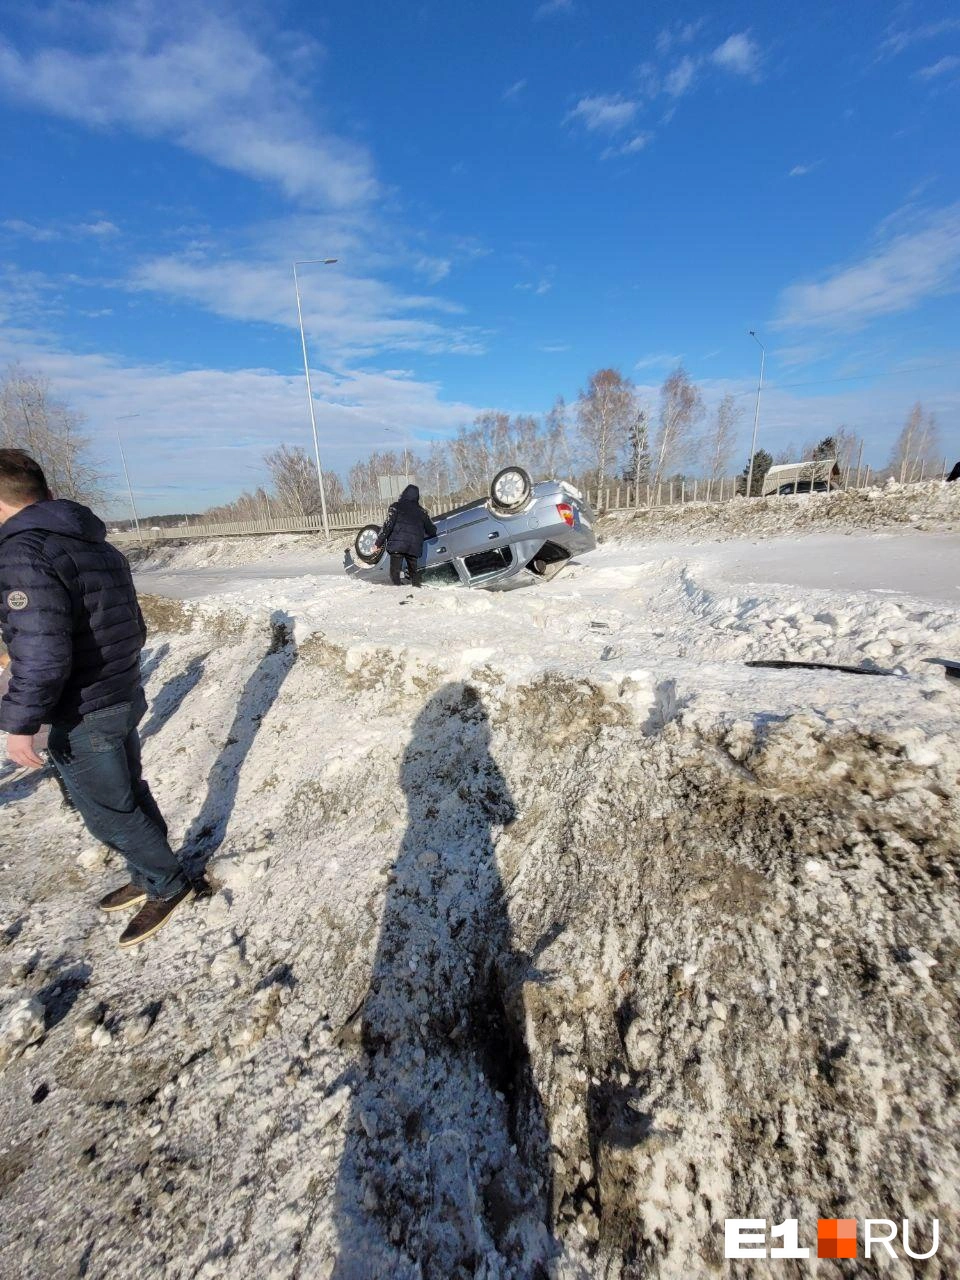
119, 899
152, 916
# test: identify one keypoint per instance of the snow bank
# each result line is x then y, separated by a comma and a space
933, 506
547, 935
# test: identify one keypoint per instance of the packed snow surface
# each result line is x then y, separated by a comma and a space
547, 933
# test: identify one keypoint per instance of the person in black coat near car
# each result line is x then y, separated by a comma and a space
403, 534
73, 627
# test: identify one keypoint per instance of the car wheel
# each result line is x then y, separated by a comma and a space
364, 544
510, 488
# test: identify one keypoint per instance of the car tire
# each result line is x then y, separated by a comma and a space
363, 544
518, 487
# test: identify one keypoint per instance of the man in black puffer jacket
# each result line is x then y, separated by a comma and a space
72, 624
406, 526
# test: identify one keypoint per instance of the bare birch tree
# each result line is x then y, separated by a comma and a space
558, 448
720, 439
917, 444
640, 450
606, 409
928, 451
436, 472
35, 420
681, 408
294, 481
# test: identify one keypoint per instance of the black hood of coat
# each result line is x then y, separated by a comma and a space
410, 494
57, 516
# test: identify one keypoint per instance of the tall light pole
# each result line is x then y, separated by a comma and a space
126, 473
756, 416
406, 450
302, 262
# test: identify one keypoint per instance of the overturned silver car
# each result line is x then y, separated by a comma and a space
521, 533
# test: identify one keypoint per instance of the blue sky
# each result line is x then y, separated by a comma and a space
517, 193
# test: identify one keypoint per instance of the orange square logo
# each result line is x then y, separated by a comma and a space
837, 1238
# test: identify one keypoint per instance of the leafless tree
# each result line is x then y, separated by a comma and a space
928, 451
681, 408
720, 439
33, 419
294, 481
606, 410
917, 444
558, 450
495, 440
846, 444
640, 450
249, 506
436, 472
364, 477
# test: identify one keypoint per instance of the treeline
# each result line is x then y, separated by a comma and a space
609, 435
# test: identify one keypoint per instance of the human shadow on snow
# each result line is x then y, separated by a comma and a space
209, 827
172, 696
447, 1152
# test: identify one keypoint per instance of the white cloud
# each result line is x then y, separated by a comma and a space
17, 227
639, 142
604, 113
346, 316
678, 81
649, 81
899, 39
30, 230
738, 54
801, 170
657, 360
682, 33
551, 7
200, 80
433, 269
896, 277
610, 113
540, 288
227, 420
941, 68
99, 228
800, 354
514, 91
555, 348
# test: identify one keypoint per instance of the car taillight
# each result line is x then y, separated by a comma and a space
565, 512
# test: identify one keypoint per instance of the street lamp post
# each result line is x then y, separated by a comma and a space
756, 416
301, 262
126, 474
406, 448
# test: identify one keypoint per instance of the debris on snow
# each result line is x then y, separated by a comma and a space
22, 1023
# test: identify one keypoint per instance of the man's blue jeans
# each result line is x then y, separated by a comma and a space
99, 760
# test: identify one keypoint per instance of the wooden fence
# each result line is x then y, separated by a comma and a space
340, 522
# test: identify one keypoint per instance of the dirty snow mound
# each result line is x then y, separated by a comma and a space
506, 975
